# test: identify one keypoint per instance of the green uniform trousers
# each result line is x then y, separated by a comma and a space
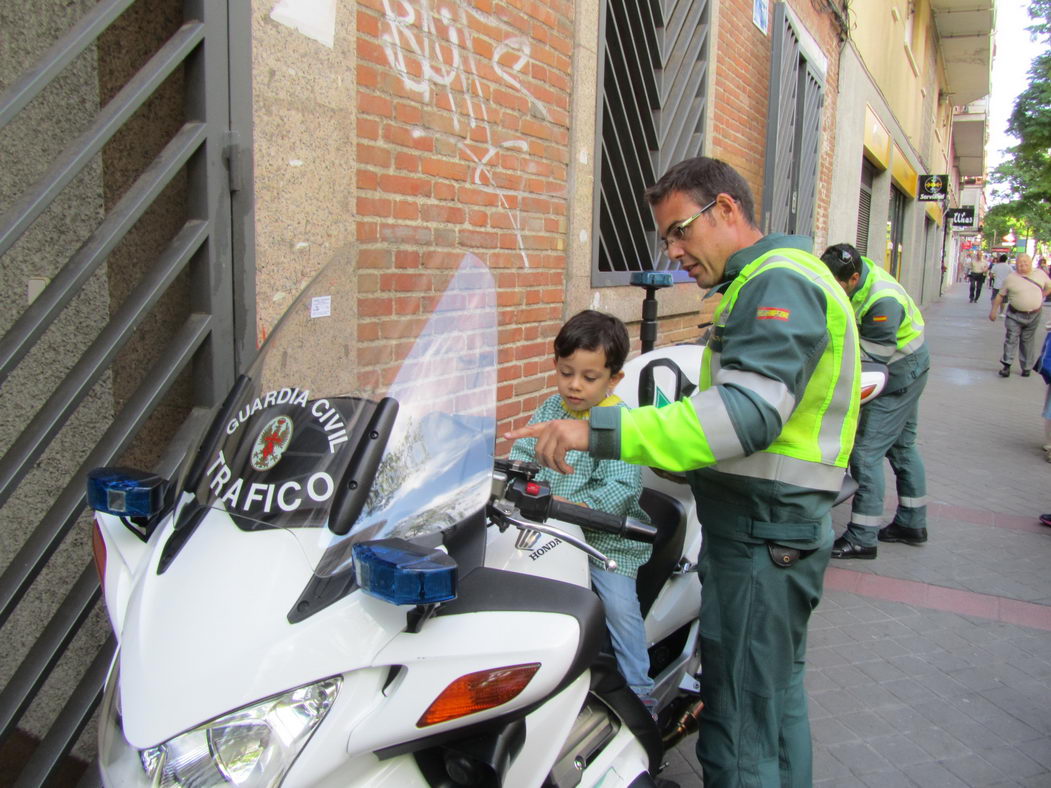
755, 729
887, 428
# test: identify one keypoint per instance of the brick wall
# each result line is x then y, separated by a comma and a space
462, 146
742, 77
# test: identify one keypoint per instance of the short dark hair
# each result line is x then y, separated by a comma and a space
1003, 258
843, 260
704, 179
591, 330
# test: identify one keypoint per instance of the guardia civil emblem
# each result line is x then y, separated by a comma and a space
271, 444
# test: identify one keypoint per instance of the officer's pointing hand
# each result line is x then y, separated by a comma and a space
554, 439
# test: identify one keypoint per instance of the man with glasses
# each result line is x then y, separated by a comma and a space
765, 441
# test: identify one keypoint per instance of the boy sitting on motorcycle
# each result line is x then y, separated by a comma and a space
590, 351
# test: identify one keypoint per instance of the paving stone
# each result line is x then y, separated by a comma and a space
903, 719
899, 749
933, 775
860, 758
895, 779
1013, 762
974, 771
866, 724
1039, 750
938, 743
831, 730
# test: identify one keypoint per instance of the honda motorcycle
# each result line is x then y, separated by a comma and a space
344, 587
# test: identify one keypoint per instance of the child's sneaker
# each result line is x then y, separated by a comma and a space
1045, 519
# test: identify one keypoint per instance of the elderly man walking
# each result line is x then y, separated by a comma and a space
1024, 292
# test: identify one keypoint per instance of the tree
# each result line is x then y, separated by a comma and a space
1022, 183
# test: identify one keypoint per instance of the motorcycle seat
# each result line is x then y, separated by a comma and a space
669, 516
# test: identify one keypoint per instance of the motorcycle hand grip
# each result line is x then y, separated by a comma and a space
602, 521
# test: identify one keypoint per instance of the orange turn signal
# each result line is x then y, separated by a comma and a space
98, 549
478, 692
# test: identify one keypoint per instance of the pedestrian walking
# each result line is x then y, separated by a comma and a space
1024, 291
979, 268
998, 274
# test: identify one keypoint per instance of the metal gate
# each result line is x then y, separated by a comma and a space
134, 241
793, 133
654, 97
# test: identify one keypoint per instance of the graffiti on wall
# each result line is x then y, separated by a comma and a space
430, 45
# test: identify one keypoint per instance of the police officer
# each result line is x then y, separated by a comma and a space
890, 329
766, 440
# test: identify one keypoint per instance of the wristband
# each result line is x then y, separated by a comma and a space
604, 436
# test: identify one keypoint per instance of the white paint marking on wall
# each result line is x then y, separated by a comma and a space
437, 36
295, 162
583, 156
583, 236
35, 287
596, 301
316, 19
302, 245
320, 306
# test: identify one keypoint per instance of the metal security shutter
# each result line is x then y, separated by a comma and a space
653, 114
793, 133
160, 139
868, 174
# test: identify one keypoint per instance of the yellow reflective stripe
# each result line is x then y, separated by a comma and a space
782, 468
670, 437
811, 450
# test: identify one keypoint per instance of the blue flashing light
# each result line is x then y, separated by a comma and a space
403, 573
125, 492
652, 278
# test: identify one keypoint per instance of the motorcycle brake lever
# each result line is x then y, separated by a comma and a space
527, 525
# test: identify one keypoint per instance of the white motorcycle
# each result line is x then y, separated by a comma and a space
344, 588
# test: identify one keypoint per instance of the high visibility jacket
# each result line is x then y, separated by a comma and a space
890, 323
770, 429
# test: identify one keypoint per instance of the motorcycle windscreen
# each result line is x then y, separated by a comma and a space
391, 423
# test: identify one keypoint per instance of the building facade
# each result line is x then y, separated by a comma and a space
214, 156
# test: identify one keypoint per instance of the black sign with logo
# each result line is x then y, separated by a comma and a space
961, 218
933, 187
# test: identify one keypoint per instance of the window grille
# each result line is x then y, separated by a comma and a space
654, 97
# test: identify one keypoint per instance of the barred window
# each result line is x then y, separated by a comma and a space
654, 97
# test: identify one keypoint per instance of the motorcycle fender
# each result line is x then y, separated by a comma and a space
435, 657
125, 557
678, 603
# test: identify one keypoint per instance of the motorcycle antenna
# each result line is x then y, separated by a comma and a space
652, 281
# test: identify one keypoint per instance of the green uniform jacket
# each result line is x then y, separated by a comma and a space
770, 429
890, 326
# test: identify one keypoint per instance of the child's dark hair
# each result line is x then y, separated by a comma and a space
842, 260
591, 330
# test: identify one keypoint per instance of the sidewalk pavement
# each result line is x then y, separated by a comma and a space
931, 666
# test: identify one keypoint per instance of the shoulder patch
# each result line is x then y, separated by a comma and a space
772, 313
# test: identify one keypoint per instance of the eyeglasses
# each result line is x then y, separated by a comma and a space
678, 231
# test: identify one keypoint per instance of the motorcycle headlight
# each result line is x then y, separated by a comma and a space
253, 747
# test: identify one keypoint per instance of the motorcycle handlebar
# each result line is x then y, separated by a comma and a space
603, 521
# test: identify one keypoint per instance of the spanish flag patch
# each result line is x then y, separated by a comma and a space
879, 319
771, 313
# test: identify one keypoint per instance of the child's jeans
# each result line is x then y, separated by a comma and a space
626, 628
